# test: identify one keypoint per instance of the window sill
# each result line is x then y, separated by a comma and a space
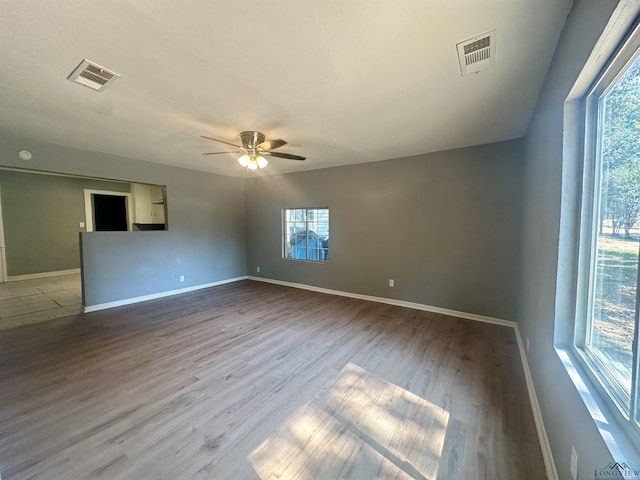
613, 434
304, 260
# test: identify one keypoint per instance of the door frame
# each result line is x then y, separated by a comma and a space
88, 207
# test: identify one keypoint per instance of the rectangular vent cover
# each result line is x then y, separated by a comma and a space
93, 75
477, 53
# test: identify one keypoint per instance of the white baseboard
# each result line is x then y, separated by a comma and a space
153, 296
391, 301
31, 276
545, 446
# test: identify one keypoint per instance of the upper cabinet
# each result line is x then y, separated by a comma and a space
149, 204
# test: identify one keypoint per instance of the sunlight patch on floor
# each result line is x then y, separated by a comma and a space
359, 427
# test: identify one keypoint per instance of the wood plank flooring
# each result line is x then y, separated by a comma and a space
258, 381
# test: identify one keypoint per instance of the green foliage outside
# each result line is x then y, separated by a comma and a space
613, 322
621, 153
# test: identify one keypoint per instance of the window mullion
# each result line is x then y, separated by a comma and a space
306, 232
594, 149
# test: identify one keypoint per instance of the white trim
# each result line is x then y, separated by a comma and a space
619, 23
3, 260
31, 276
391, 301
3, 249
88, 207
599, 407
153, 296
545, 446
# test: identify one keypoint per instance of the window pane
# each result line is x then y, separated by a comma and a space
294, 222
614, 306
322, 228
306, 234
616, 273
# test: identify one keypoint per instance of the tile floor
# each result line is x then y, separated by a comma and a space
30, 301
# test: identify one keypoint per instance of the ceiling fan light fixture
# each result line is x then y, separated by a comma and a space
244, 160
254, 148
262, 162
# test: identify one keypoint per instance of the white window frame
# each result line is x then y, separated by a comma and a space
286, 235
622, 406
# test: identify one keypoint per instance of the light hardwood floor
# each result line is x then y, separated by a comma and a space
258, 381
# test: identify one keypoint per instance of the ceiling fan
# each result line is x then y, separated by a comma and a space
254, 148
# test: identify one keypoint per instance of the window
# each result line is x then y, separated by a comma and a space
306, 234
606, 333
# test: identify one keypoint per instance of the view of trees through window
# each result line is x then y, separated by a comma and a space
612, 324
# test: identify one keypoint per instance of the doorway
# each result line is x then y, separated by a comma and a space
108, 211
32, 298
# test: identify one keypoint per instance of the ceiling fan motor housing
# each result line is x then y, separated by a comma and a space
251, 139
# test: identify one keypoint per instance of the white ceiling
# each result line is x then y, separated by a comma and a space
343, 82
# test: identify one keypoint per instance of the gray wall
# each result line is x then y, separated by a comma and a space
41, 216
566, 419
205, 241
445, 226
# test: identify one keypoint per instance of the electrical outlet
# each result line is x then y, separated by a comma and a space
573, 467
258, 269
527, 344
392, 282
182, 278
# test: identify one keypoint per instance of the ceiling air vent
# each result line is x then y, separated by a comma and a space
477, 53
93, 75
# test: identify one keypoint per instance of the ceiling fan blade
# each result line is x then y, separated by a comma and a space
221, 141
285, 155
220, 153
271, 144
